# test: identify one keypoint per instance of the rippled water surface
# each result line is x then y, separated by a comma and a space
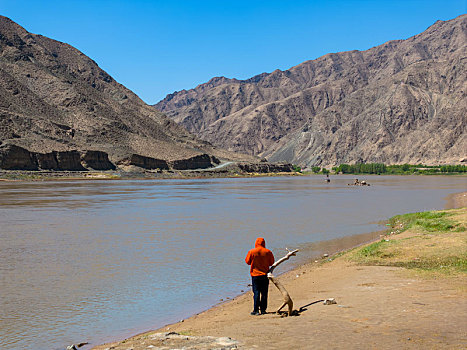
100, 260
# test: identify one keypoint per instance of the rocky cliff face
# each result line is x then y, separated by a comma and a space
401, 102
13, 157
55, 100
202, 161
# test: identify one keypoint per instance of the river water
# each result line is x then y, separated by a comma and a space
102, 260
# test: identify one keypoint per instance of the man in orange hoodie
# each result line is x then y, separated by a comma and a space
260, 259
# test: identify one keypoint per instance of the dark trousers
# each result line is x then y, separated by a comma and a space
260, 292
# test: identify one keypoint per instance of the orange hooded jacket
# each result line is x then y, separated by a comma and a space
259, 258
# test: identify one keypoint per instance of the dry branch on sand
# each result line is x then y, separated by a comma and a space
287, 299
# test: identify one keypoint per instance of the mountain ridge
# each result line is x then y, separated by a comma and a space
263, 115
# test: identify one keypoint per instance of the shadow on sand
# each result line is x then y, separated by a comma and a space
297, 312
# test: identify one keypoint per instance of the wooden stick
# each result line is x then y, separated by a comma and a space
287, 299
281, 260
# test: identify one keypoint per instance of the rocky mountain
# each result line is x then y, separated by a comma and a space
401, 102
59, 110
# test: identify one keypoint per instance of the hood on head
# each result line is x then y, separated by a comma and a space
260, 242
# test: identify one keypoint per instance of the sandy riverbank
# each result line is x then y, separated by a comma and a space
457, 200
113, 175
378, 307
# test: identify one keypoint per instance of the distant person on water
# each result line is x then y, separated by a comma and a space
260, 260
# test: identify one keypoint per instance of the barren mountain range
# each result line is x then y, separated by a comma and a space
57, 105
404, 101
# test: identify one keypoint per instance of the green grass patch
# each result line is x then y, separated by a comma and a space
428, 221
187, 333
376, 250
435, 242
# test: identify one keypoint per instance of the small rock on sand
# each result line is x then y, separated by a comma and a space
330, 301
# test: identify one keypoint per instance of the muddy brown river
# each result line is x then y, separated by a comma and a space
102, 260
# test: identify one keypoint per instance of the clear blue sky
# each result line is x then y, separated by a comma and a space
157, 47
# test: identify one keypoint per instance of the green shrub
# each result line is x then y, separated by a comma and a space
296, 168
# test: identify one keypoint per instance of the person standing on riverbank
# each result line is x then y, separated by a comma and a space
260, 259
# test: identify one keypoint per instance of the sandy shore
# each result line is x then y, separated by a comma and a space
378, 307
42, 175
457, 200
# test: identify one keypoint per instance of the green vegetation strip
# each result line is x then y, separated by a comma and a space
435, 241
402, 169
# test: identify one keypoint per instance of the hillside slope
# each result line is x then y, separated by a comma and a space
403, 101
53, 99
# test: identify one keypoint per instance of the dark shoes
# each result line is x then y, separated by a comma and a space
256, 313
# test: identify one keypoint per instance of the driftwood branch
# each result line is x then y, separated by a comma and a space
281, 260
287, 299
